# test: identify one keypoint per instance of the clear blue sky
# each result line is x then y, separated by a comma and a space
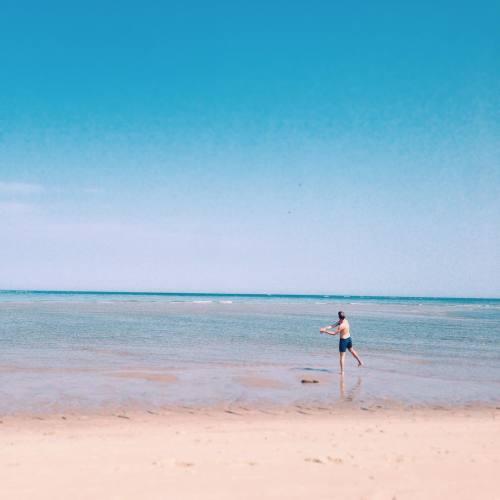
329, 147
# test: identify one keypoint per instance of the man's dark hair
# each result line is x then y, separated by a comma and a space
341, 315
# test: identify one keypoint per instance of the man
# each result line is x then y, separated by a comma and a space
345, 341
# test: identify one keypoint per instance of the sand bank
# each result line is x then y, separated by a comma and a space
242, 454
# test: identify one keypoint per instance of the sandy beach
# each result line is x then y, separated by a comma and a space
249, 453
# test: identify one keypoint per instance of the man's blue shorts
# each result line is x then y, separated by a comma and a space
345, 344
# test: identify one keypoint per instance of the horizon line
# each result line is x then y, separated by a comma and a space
249, 294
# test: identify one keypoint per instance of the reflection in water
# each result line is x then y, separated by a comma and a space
352, 393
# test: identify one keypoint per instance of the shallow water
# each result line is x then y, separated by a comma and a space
63, 351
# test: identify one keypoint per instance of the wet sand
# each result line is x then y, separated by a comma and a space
243, 453
256, 382
149, 376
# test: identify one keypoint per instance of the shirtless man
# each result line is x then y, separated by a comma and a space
345, 341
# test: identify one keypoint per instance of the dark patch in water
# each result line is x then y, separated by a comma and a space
308, 369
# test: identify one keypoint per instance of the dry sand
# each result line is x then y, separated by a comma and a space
244, 454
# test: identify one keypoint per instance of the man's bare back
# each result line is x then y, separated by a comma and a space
343, 326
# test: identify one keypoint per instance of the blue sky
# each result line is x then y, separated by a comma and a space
319, 147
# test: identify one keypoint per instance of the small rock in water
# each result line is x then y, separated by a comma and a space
309, 381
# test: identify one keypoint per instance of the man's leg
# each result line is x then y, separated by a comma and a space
355, 354
342, 357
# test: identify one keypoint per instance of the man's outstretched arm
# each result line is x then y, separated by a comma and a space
324, 330
327, 329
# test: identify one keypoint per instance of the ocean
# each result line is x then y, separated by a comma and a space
74, 351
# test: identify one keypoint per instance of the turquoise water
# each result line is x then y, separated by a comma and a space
73, 350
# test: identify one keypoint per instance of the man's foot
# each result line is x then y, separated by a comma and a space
360, 364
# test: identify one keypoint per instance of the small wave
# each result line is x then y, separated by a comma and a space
225, 301
202, 301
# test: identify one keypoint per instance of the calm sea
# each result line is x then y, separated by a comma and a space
62, 351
